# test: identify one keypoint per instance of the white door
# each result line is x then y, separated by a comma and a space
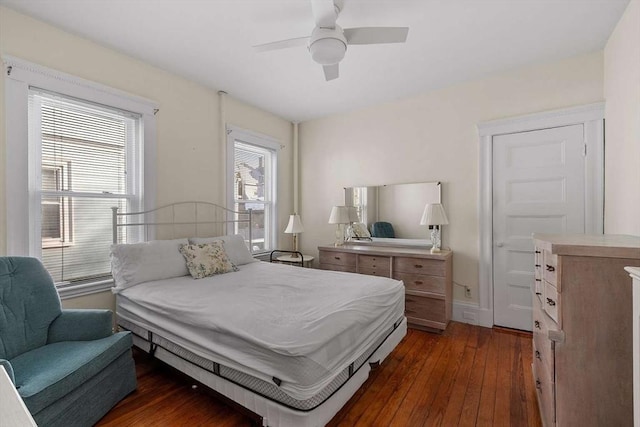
538, 187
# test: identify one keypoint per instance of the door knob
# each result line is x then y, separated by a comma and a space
499, 244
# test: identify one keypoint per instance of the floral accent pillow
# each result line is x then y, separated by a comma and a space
207, 259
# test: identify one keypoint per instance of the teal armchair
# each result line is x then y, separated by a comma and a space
67, 365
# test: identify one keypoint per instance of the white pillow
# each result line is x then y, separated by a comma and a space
141, 262
234, 245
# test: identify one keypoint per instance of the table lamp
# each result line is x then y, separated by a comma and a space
434, 215
340, 216
294, 227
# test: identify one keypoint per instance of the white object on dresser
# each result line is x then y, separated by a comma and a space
582, 333
634, 272
13, 412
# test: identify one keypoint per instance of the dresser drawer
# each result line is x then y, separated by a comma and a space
537, 273
379, 265
382, 272
422, 283
543, 347
335, 267
338, 258
550, 268
551, 302
419, 266
545, 390
425, 308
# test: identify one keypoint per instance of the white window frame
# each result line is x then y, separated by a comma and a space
21, 169
64, 205
243, 136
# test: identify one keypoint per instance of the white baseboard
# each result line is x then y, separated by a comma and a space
471, 313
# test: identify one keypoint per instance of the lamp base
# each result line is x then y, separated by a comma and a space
295, 245
339, 236
435, 239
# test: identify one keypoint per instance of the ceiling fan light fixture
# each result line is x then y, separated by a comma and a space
327, 45
328, 51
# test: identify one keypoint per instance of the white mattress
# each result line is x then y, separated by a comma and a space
301, 326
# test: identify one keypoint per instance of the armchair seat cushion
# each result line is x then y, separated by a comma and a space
48, 373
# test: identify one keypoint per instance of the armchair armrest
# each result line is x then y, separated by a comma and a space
9, 369
81, 325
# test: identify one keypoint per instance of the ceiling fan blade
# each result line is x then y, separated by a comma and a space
282, 44
376, 35
330, 72
324, 13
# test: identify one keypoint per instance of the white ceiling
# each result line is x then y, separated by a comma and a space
210, 42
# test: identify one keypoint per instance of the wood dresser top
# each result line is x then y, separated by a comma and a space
597, 245
386, 251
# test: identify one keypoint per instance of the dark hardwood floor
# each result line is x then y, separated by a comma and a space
468, 376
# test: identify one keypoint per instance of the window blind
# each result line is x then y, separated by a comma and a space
86, 166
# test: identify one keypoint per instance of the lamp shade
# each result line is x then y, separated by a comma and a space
434, 214
295, 225
339, 215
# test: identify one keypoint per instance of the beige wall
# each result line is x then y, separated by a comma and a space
622, 134
431, 137
189, 158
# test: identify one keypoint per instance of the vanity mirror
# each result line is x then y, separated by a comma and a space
391, 213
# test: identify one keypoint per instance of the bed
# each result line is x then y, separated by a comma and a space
289, 344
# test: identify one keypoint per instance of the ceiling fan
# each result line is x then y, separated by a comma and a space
328, 41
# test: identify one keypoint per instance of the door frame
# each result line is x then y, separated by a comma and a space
591, 116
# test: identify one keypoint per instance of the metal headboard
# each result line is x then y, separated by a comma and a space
177, 220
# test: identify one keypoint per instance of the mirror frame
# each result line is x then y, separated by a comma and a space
407, 242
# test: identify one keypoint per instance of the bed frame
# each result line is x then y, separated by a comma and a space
205, 219
182, 219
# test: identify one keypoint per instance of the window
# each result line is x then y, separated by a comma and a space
252, 174
90, 148
85, 169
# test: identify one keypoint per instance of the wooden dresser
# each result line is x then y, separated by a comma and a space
582, 330
427, 277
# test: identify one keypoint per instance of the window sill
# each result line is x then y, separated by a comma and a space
79, 290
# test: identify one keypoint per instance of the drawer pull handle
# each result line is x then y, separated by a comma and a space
538, 293
538, 265
551, 302
538, 252
539, 385
418, 282
336, 257
418, 266
538, 355
537, 324
550, 268
538, 280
